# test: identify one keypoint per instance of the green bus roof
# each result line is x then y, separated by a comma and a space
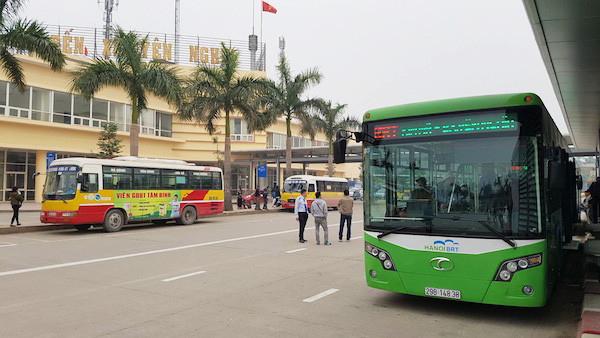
452, 105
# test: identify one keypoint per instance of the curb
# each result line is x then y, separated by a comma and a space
51, 227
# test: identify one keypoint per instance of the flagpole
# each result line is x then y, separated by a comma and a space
261, 37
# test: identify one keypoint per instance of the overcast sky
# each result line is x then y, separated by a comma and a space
371, 53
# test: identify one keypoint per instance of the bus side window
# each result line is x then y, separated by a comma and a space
311, 188
90, 183
320, 186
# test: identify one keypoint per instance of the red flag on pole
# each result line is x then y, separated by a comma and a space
269, 8
85, 51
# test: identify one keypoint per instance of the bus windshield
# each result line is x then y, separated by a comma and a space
459, 187
61, 183
294, 185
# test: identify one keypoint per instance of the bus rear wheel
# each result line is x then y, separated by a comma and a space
113, 221
82, 227
188, 216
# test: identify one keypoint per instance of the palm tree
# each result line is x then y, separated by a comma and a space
137, 78
216, 92
24, 36
328, 120
285, 99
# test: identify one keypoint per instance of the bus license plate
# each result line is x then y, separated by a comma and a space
444, 293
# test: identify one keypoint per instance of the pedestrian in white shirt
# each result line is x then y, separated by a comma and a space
318, 209
301, 211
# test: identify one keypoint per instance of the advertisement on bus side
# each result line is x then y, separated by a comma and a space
145, 204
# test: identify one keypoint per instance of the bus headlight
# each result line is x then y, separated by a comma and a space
69, 214
508, 268
384, 258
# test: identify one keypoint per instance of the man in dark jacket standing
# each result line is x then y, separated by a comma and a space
16, 199
257, 198
265, 194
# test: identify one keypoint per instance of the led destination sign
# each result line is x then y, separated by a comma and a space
496, 121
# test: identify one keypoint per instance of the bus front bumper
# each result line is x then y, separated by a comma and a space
471, 290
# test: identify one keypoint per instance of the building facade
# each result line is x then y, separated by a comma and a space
49, 119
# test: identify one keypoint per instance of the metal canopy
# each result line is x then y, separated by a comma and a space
299, 155
568, 36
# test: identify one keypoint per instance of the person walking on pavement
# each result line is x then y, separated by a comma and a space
257, 198
345, 206
318, 209
240, 199
16, 200
301, 211
277, 197
265, 194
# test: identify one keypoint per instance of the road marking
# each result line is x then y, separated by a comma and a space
6, 244
143, 253
119, 235
183, 276
320, 295
357, 237
27, 238
292, 251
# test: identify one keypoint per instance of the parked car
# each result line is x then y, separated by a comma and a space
357, 194
248, 199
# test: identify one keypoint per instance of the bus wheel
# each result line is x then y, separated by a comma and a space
188, 216
113, 221
82, 227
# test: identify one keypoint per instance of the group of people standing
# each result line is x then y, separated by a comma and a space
258, 193
318, 208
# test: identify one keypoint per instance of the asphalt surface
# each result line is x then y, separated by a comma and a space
232, 276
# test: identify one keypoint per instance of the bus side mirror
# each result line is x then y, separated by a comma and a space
339, 150
79, 178
556, 175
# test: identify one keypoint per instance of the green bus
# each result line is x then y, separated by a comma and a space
466, 199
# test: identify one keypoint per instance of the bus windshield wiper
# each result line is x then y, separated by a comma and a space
499, 234
391, 231
484, 224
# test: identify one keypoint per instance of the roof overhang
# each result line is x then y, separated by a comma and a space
299, 155
568, 36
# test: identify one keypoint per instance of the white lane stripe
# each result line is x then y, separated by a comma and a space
357, 237
27, 238
292, 251
144, 253
6, 244
183, 276
320, 295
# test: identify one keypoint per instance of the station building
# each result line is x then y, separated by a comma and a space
48, 118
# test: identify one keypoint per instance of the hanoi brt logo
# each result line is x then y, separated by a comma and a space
443, 246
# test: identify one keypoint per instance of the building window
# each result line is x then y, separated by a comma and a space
81, 111
17, 171
277, 141
164, 124
239, 131
58, 107
147, 121
99, 112
62, 108
18, 102
40, 104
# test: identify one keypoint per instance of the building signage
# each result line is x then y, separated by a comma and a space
50, 156
261, 171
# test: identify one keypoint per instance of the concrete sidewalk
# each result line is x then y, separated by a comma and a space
29, 213
5, 207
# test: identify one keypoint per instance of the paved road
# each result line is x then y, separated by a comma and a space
230, 276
